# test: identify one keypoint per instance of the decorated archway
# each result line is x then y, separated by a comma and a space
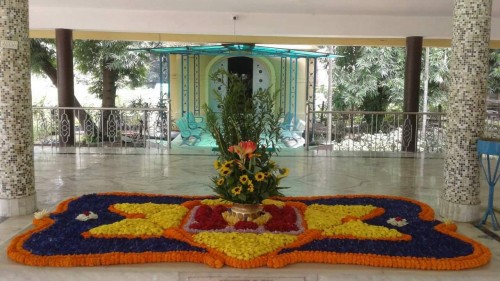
258, 71
293, 72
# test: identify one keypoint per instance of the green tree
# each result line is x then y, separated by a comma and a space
44, 62
43, 58
494, 75
372, 78
368, 78
438, 77
110, 65
383, 69
347, 95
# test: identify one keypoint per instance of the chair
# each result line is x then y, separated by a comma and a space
287, 123
293, 137
195, 122
186, 132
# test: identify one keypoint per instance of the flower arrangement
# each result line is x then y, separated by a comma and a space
249, 175
246, 131
346, 229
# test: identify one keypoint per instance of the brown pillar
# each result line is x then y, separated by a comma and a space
65, 85
412, 91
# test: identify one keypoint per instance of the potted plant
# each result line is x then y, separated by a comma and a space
246, 131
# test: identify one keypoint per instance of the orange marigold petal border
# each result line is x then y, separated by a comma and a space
177, 244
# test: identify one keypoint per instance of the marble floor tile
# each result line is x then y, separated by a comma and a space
60, 176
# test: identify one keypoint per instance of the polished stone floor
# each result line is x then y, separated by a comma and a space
59, 176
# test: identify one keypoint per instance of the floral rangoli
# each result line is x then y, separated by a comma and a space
120, 228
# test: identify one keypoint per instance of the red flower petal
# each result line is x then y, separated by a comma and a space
246, 225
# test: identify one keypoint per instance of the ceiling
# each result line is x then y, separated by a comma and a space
333, 7
389, 19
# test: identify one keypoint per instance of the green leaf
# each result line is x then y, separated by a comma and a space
242, 196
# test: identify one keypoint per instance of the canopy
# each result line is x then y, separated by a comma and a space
240, 50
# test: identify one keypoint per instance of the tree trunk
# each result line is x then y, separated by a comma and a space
50, 71
109, 120
83, 117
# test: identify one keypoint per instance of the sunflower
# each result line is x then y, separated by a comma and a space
225, 171
267, 174
250, 187
220, 181
284, 172
244, 179
260, 176
217, 164
236, 190
227, 164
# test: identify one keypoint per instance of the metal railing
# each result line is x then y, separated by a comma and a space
492, 126
384, 131
377, 131
149, 129
102, 128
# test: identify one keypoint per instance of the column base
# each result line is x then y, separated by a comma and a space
18, 206
459, 212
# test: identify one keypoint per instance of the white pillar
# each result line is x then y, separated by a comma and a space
17, 181
329, 99
466, 112
426, 91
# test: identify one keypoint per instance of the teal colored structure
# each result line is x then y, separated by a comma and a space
190, 71
490, 147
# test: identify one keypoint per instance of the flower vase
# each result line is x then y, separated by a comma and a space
245, 212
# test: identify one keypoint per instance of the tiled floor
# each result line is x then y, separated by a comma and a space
59, 176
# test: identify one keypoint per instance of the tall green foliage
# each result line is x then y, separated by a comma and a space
494, 75
242, 118
43, 58
439, 82
368, 78
111, 65
44, 62
372, 78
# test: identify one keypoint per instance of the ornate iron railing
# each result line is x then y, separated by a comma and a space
384, 131
377, 131
130, 130
492, 126
102, 128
